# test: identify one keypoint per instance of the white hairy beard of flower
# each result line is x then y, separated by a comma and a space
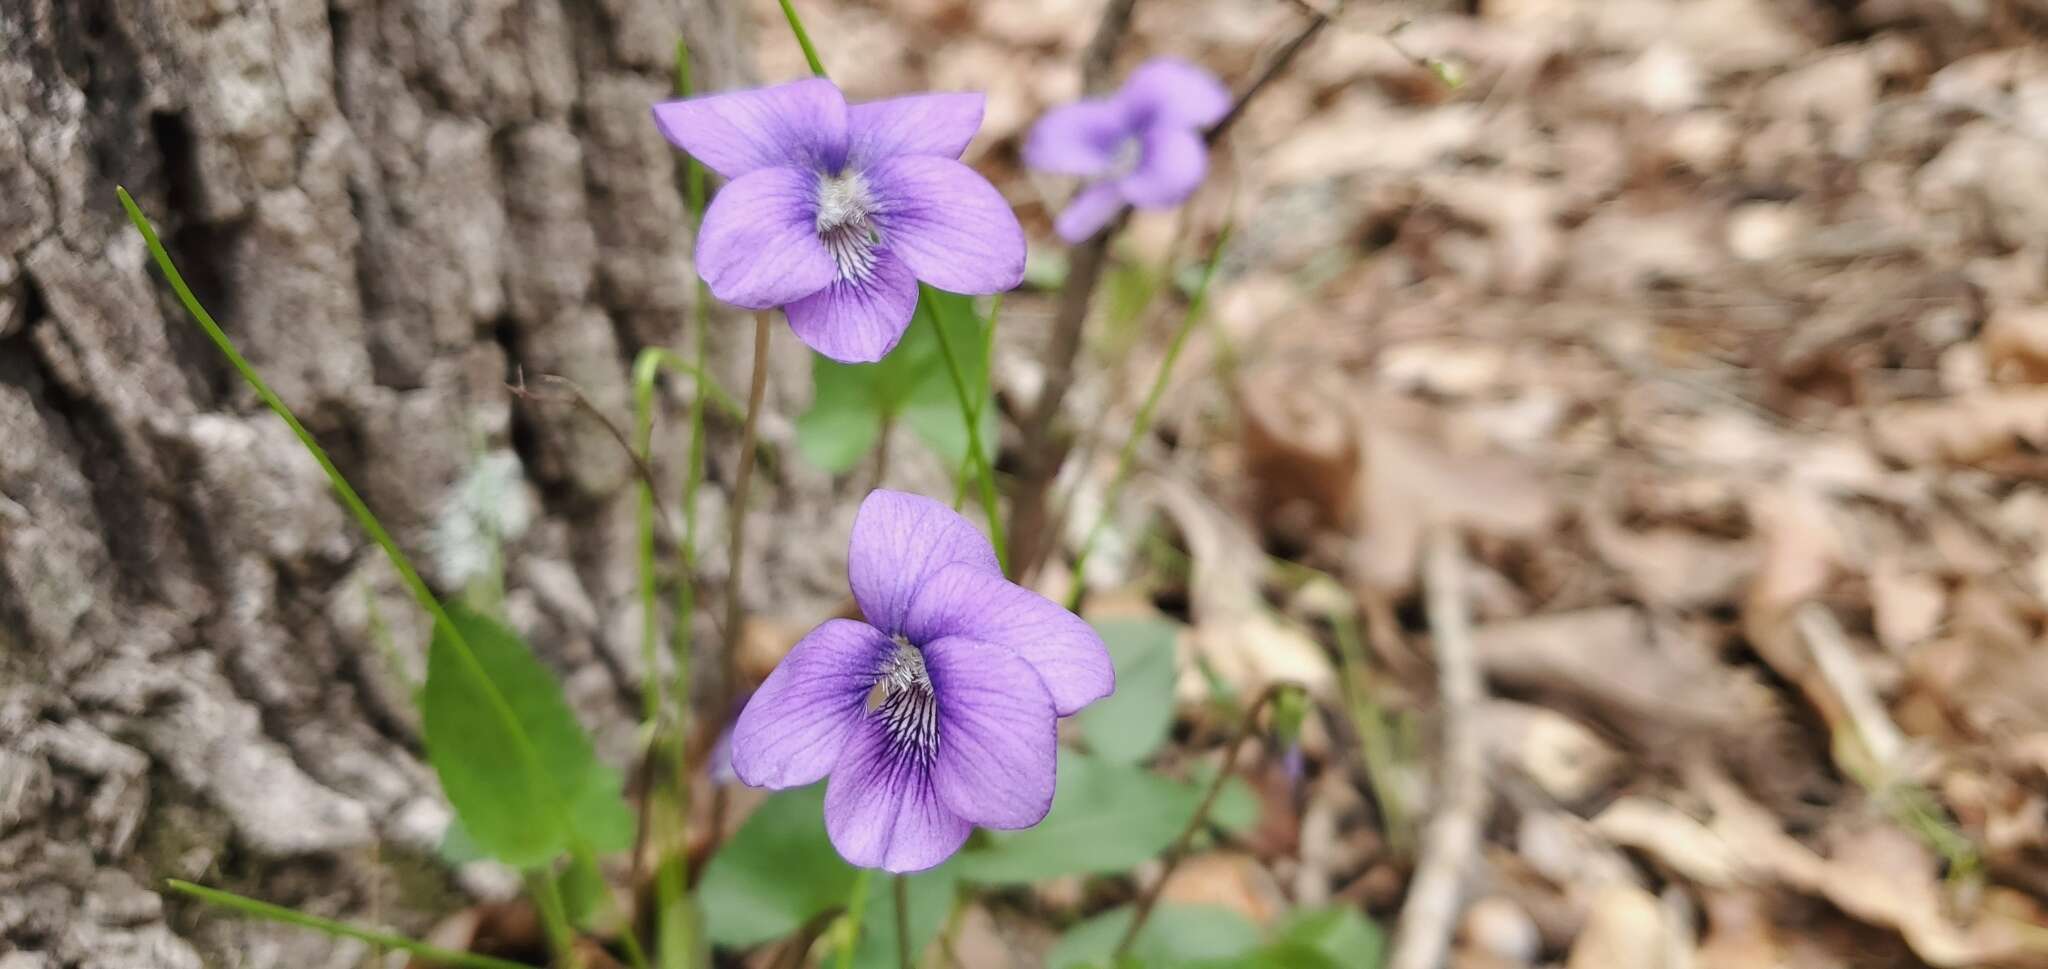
843, 223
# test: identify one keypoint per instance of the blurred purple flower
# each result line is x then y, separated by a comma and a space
938, 713
835, 212
1141, 146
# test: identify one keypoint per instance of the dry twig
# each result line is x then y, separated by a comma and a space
1423, 935
1044, 450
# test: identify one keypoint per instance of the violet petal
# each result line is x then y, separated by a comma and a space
899, 541
948, 224
1066, 653
1090, 210
858, 320
997, 734
881, 809
801, 124
1170, 91
1078, 139
1170, 168
920, 124
792, 730
759, 247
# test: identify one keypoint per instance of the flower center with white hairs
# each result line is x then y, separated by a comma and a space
1124, 160
845, 206
902, 697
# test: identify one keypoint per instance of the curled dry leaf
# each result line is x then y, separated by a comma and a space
1969, 429
1301, 445
1656, 684
2015, 344
1231, 880
1234, 631
1564, 758
1875, 872
1625, 927
1411, 486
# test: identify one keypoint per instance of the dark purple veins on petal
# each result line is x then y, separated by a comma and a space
903, 699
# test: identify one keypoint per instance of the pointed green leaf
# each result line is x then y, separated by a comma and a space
1175, 936
777, 872
1128, 725
1344, 936
844, 419
1106, 817
930, 894
520, 812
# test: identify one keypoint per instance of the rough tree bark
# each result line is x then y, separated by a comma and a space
395, 206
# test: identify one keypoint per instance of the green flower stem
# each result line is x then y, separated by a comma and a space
976, 453
286, 916
903, 960
1375, 743
736, 542
500, 708
554, 917
988, 367
803, 38
1148, 899
856, 909
675, 921
646, 368
1197, 305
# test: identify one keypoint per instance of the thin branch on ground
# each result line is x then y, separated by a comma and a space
1246, 729
1422, 937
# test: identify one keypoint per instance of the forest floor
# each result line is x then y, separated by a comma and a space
1718, 332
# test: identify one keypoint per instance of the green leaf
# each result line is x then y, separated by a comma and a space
776, 873
933, 408
1106, 817
1236, 809
1344, 936
523, 813
844, 419
1280, 955
1175, 936
1129, 725
851, 402
930, 894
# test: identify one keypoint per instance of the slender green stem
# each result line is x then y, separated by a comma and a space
672, 880
629, 940
803, 38
1375, 745
645, 369
736, 542
856, 909
1179, 849
643, 518
988, 367
554, 916
903, 960
1198, 305
676, 925
501, 709
286, 916
975, 451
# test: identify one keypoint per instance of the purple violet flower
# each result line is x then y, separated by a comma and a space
835, 212
938, 713
1141, 146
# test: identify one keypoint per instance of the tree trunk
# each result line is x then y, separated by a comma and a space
395, 207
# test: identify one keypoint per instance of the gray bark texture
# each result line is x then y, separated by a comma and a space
396, 207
